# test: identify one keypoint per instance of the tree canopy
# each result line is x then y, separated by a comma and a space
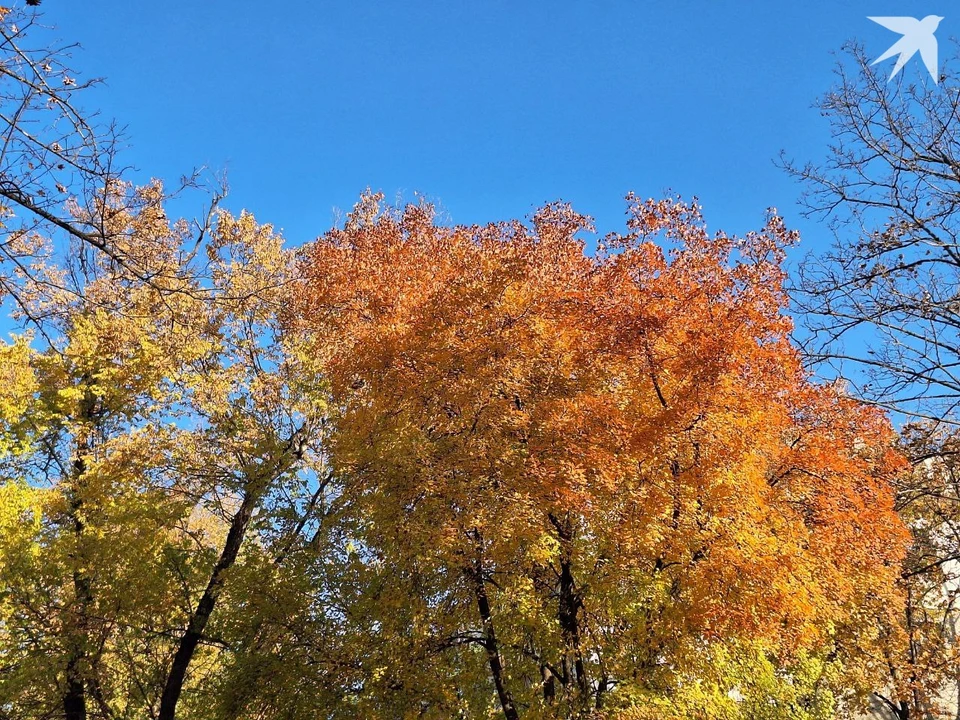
415, 470
599, 467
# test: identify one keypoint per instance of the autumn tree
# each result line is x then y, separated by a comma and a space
58, 157
123, 318
920, 652
147, 435
594, 472
880, 311
418, 471
163, 480
880, 307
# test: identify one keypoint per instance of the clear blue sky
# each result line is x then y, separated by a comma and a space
489, 107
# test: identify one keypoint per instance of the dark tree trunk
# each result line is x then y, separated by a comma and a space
259, 640
549, 684
198, 621
601, 691
74, 701
569, 605
74, 694
291, 453
490, 643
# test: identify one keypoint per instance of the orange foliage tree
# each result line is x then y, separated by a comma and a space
593, 470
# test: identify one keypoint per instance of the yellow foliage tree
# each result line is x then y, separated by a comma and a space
158, 423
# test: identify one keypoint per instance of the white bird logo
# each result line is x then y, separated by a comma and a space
917, 35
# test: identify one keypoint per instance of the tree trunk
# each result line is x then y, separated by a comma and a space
601, 691
569, 605
549, 684
74, 701
490, 639
198, 621
255, 487
74, 695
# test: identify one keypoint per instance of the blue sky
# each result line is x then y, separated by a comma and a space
490, 108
